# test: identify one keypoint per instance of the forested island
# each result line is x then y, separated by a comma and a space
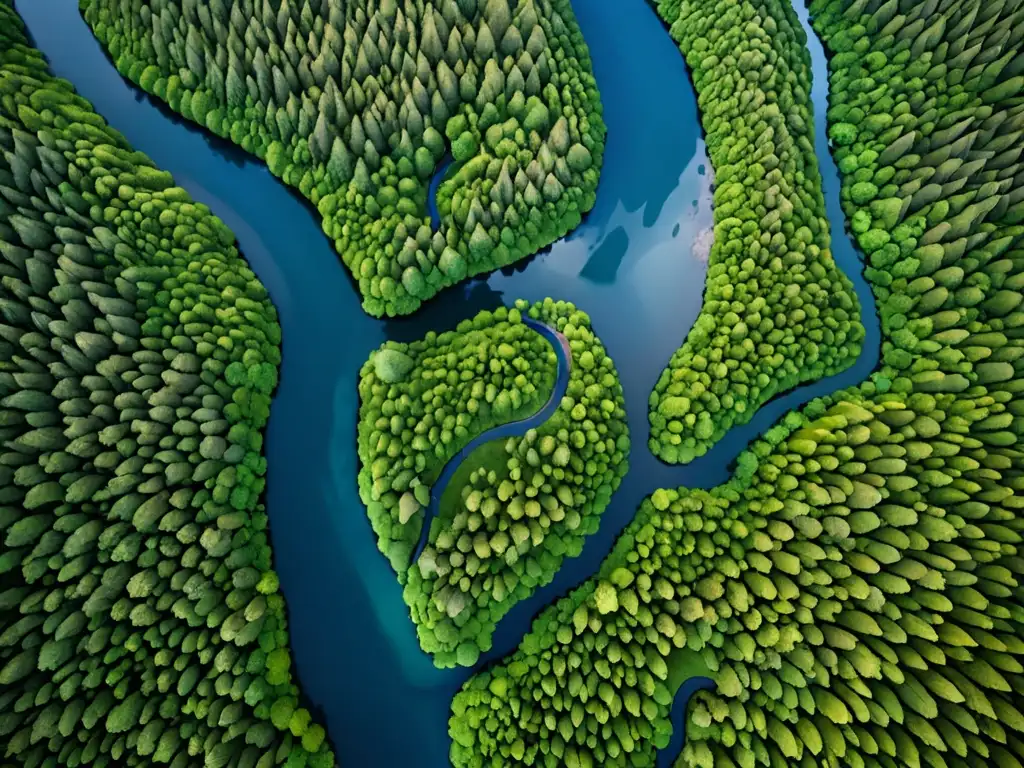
516, 505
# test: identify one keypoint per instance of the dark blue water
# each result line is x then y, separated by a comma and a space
629, 266
435, 181
680, 711
509, 429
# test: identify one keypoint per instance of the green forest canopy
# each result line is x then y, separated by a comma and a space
356, 103
141, 618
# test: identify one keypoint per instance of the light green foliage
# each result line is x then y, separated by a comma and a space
856, 588
392, 366
348, 102
598, 667
141, 621
811, 589
452, 387
777, 311
517, 507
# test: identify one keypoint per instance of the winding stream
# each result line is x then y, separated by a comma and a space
848, 259
560, 346
629, 266
440, 173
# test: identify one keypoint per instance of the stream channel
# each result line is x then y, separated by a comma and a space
630, 266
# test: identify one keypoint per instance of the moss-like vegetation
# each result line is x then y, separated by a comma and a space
521, 505
777, 310
421, 403
856, 588
141, 620
355, 103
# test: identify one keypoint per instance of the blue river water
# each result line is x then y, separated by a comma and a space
435, 181
559, 346
629, 266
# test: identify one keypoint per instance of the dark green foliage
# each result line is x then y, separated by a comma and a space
515, 508
777, 311
349, 101
141, 620
856, 588
452, 387
854, 591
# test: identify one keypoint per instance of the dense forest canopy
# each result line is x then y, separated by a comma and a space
141, 619
356, 103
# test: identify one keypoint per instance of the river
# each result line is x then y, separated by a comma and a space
629, 266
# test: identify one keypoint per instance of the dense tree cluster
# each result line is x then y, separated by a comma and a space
590, 685
420, 403
857, 587
517, 507
141, 619
355, 103
855, 592
926, 120
777, 310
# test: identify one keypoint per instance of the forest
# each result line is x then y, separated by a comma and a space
141, 618
355, 104
852, 595
854, 590
777, 310
517, 506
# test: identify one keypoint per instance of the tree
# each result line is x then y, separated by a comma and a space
313, 738
452, 264
559, 138
413, 282
277, 158
125, 715
339, 164
464, 147
498, 17
480, 244
391, 365
579, 158
606, 598
19, 666
467, 654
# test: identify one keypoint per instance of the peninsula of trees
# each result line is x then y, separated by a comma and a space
356, 103
777, 310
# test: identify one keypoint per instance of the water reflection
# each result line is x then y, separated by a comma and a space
604, 261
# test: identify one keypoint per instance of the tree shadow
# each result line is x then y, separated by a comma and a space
446, 310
